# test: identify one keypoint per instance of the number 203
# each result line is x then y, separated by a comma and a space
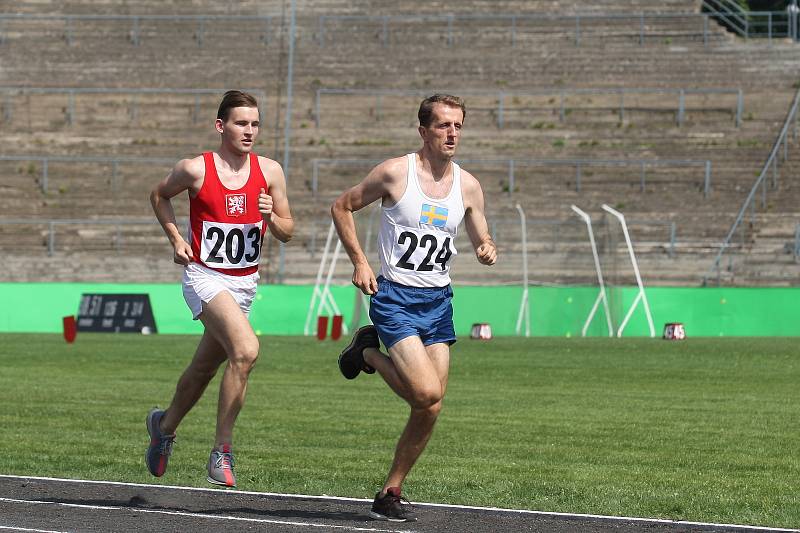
236, 234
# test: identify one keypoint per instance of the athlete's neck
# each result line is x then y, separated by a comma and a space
438, 167
232, 161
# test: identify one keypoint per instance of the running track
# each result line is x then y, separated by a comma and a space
35, 504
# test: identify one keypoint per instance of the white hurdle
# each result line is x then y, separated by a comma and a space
640, 297
524, 307
322, 298
362, 300
601, 296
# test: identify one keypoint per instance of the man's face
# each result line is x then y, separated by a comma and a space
240, 130
443, 134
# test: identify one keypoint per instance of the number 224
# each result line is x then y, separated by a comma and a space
428, 242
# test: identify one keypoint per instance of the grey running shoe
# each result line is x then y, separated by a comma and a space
220, 467
391, 507
160, 448
351, 361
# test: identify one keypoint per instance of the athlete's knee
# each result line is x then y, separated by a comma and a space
428, 398
245, 354
434, 409
428, 414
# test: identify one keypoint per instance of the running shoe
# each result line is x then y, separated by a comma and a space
391, 507
220, 467
351, 361
160, 448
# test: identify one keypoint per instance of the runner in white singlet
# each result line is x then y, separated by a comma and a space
424, 197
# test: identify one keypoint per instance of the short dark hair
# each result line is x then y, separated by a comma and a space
425, 113
233, 99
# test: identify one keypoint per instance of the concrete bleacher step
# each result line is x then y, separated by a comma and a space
609, 55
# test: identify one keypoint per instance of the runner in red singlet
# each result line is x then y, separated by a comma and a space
234, 197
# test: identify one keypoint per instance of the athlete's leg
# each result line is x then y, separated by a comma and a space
194, 380
228, 325
385, 367
420, 373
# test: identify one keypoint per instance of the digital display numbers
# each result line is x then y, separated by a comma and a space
116, 313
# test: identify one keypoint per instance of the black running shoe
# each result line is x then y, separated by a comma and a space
391, 507
160, 448
351, 361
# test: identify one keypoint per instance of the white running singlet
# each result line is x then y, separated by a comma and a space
416, 241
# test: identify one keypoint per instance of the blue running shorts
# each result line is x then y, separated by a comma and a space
399, 311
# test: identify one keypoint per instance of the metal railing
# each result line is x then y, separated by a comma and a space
115, 162
549, 233
72, 92
754, 24
779, 148
136, 22
122, 236
512, 164
731, 14
116, 243
562, 94
640, 25
557, 230
797, 244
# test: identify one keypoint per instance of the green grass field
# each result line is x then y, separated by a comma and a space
702, 430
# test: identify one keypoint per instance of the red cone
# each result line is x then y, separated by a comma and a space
322, 327
70, 329
336, 327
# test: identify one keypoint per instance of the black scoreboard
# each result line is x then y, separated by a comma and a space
123, 313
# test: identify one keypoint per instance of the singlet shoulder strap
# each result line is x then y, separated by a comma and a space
412, 179
255, 169
211, 167
412, 168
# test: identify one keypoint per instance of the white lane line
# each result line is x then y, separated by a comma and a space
201, 515
197, 489
617, 518
13, 528
416, 504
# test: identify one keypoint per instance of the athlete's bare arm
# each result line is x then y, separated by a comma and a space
274, 204
475, 220
383, 182
188, 175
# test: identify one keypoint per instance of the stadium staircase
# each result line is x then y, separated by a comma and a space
476, 56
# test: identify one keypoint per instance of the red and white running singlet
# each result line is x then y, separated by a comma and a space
225, 227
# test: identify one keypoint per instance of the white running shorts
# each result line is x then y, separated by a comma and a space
201, 284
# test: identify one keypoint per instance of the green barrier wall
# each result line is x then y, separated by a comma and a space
554, 311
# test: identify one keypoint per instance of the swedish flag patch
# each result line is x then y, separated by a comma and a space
433, 215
